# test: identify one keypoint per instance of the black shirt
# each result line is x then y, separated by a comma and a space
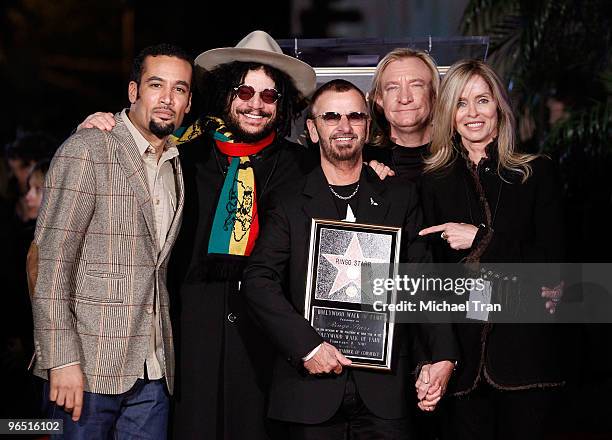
341, 204
407, 162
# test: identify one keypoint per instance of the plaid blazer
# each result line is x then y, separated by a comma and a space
98, 264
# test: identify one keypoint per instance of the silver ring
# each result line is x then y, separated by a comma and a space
443, 236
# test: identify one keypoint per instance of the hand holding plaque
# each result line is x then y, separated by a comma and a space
327, 359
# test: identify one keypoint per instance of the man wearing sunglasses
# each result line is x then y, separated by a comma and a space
235, 154
312, 390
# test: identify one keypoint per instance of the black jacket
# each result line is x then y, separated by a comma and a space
223, 360
527, 227
274, 287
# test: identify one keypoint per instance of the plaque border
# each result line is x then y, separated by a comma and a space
315, 228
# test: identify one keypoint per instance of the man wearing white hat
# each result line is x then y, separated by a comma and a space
233, 156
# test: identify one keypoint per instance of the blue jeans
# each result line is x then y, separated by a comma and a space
140, 413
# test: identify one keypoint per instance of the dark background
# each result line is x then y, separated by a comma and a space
61, 60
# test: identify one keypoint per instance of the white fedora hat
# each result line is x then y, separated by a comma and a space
260, 47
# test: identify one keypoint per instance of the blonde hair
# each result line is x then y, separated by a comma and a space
379, 134
443, 149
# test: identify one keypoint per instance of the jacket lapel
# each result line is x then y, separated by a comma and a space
130, 160
373, 206
321, 204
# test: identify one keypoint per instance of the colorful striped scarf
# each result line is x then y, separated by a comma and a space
235, 225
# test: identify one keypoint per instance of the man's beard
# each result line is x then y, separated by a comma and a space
159, 130
344, 155
244, 136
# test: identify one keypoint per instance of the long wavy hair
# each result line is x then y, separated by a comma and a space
380, 132
217, 86
446, 143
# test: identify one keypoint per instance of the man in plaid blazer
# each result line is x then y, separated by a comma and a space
111, 211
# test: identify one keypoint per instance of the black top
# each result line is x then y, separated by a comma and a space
211, 327
407, 162
274, 286
341, 204
527, 227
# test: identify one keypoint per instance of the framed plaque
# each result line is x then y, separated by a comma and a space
344, 259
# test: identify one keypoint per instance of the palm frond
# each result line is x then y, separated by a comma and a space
591, 128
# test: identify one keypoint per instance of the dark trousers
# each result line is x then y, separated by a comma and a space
353, 421
491, 414
140, 413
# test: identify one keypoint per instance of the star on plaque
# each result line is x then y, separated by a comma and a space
348, 266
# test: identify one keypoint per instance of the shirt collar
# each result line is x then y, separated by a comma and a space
170, 150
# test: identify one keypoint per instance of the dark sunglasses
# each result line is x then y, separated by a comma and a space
354, 118
269, 96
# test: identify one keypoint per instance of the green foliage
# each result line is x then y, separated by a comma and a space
589, 127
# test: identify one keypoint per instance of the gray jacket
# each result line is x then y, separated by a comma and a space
98, 264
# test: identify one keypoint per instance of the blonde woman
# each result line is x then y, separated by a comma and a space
486, 202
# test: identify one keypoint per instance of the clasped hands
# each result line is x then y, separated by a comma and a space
432, 382
430, 385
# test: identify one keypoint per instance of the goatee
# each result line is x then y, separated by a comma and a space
159, 130
340, 155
